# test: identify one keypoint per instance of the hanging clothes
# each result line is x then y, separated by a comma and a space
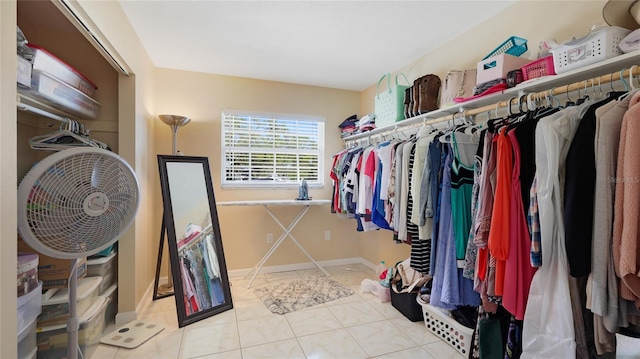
579, 193
548, 330
518, 273
605, 301
626, 229
500, 227
462, 174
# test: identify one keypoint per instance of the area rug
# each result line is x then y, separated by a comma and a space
285, 297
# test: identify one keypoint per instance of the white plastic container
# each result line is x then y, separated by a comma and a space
62, 96
595, 47
112, 308
43, 60
105, 267
27, 341
55, 304
53, 340
29, 307
24, 72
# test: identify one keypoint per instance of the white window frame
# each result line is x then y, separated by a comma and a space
227, 148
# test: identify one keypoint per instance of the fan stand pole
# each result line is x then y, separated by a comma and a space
73, 322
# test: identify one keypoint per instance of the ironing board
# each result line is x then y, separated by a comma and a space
266, 204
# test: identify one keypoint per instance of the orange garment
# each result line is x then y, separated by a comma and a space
499, 231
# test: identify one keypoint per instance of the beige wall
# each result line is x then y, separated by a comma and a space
533, 20
8, 182
135, 111
150, 92
244, 229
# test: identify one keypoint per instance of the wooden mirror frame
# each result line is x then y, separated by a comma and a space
206, 294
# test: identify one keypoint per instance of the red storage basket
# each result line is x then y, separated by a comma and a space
539, 68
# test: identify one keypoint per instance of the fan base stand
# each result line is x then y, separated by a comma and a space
132, 335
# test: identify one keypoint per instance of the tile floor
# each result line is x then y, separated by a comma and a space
358, 326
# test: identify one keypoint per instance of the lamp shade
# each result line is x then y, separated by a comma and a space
175, 122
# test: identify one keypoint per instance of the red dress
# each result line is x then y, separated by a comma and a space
519, 272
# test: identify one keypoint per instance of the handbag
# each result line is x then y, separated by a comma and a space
457, 84
406, 279
389, 105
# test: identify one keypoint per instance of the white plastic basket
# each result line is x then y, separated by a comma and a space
595, 47
446, 328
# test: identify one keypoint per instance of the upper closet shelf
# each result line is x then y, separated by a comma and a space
33, 105
605, 67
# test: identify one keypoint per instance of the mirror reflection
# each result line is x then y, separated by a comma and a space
199, 265
197, 260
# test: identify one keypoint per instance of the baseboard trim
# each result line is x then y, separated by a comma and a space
235, 273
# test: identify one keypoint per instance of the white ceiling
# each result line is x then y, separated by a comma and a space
336, 44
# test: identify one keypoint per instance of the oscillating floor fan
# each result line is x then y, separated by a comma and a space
75, 203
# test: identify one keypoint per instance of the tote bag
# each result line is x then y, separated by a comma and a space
389, 105
457, 84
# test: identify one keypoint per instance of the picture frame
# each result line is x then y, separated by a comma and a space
198, 267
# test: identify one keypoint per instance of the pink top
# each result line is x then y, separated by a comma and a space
626, 226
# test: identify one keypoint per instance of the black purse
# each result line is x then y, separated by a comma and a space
514, 77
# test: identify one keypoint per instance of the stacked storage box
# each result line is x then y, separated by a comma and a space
55, 302
29, 304
52, 340
53, 82
107, 269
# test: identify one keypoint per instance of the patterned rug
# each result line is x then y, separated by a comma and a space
285, 297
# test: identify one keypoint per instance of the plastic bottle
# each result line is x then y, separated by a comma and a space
380, 268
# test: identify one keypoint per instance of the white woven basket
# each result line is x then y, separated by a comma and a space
446, 328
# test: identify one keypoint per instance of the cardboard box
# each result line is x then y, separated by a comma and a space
54, 272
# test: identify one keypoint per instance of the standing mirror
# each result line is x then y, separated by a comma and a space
200, 280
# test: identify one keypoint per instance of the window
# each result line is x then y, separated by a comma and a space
271, 150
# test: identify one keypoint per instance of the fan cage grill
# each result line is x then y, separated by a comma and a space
56, 212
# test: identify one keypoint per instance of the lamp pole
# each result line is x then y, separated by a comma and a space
175, 122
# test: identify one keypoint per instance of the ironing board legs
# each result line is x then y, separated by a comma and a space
285, 234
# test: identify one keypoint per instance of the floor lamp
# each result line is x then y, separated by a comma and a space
165, 290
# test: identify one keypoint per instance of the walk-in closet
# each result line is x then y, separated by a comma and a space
314, 179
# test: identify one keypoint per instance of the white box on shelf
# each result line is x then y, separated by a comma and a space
62, 96
52, 340
595, 47
27, 340
55, 305
112, 308
29, 307
105, 267
45, 61
497, 67
24, 72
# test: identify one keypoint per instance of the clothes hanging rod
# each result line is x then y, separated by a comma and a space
32, 109
422, 120
197, 239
